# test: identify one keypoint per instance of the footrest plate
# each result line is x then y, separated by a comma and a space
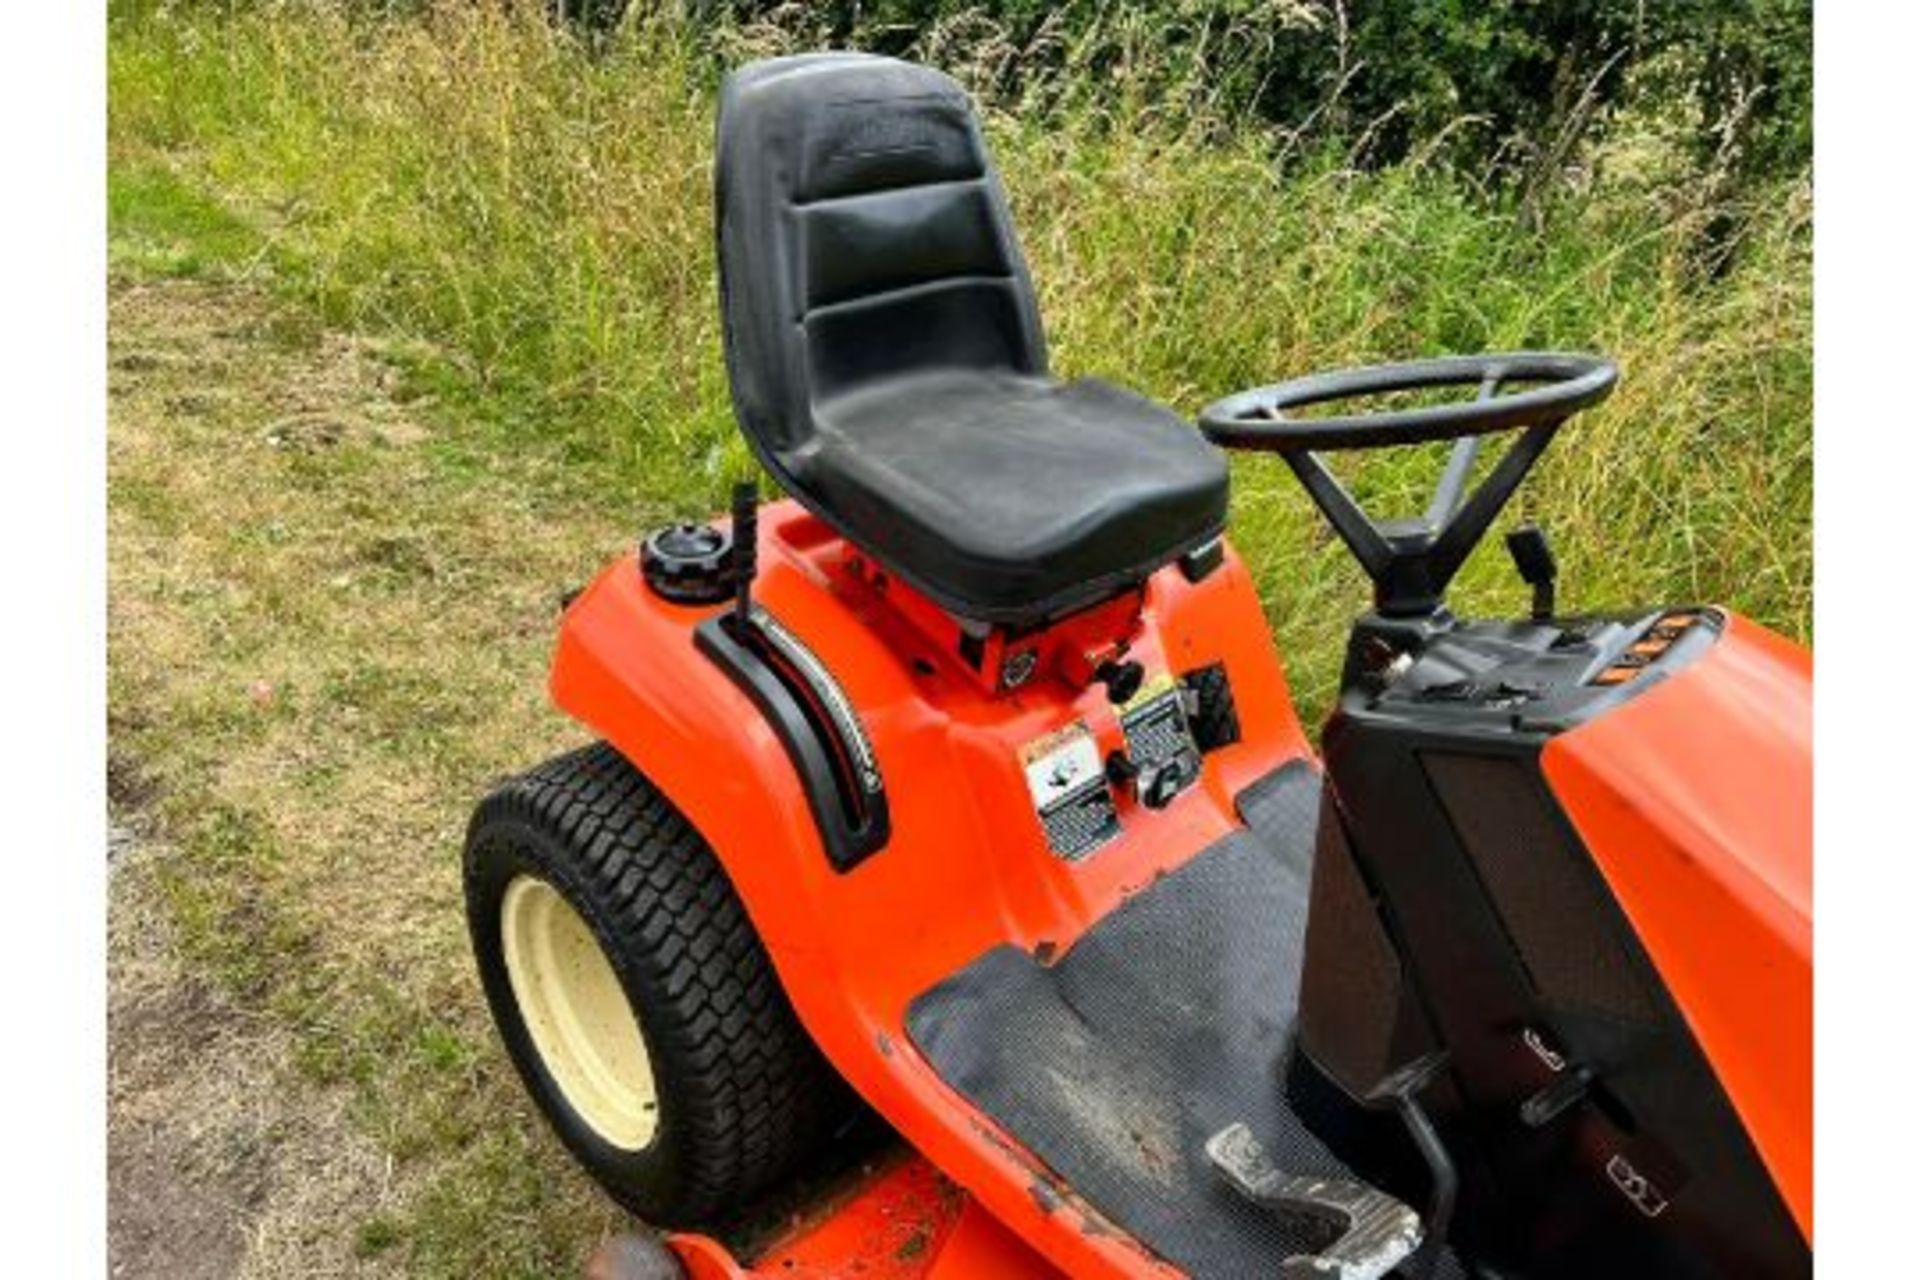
1374, 1232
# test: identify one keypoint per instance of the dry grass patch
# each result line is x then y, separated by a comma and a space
328, 635
223, 1160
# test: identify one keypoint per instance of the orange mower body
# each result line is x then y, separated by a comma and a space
952, 863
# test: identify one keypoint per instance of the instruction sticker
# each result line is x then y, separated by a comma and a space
1159, 740
1070, 793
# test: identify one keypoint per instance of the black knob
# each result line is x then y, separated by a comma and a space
1121, 678
1121, 770
687, 563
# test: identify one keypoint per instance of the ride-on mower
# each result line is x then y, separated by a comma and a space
963, 787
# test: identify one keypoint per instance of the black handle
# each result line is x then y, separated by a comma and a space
746, 548
1533, 557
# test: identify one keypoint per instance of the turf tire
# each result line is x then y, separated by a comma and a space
743, 1096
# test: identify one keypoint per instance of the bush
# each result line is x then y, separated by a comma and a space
1509, 86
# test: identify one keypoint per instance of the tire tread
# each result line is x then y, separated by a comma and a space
752, 1093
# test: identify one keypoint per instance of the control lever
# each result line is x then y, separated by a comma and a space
746, 550
1546, 1106
1533, 557
1400, 1094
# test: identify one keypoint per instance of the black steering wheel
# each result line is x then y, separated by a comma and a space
1412, 561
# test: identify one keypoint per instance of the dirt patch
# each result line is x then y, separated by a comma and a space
220, 1161
129, 788
164, 1225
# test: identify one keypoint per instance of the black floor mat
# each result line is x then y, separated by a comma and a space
1169, 1020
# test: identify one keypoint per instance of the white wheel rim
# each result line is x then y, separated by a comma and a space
578, 1017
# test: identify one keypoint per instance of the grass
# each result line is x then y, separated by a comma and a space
540, 220
414, 324
326, 636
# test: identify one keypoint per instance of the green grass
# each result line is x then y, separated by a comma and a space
537, 221
158, 225
488, 352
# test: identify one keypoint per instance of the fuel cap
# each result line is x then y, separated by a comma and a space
687, 563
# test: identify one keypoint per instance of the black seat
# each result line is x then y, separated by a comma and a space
888, 363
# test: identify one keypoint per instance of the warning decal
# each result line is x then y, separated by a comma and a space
1070, 793
1159, 741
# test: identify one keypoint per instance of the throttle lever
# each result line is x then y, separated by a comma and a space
1533, 557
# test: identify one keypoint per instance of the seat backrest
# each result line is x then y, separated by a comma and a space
863, 236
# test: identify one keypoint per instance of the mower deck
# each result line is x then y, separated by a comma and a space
1171, 1019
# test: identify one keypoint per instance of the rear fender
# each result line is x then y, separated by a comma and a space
967, 866
627, 667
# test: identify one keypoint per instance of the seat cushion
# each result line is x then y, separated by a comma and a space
1014, 499
887, 359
